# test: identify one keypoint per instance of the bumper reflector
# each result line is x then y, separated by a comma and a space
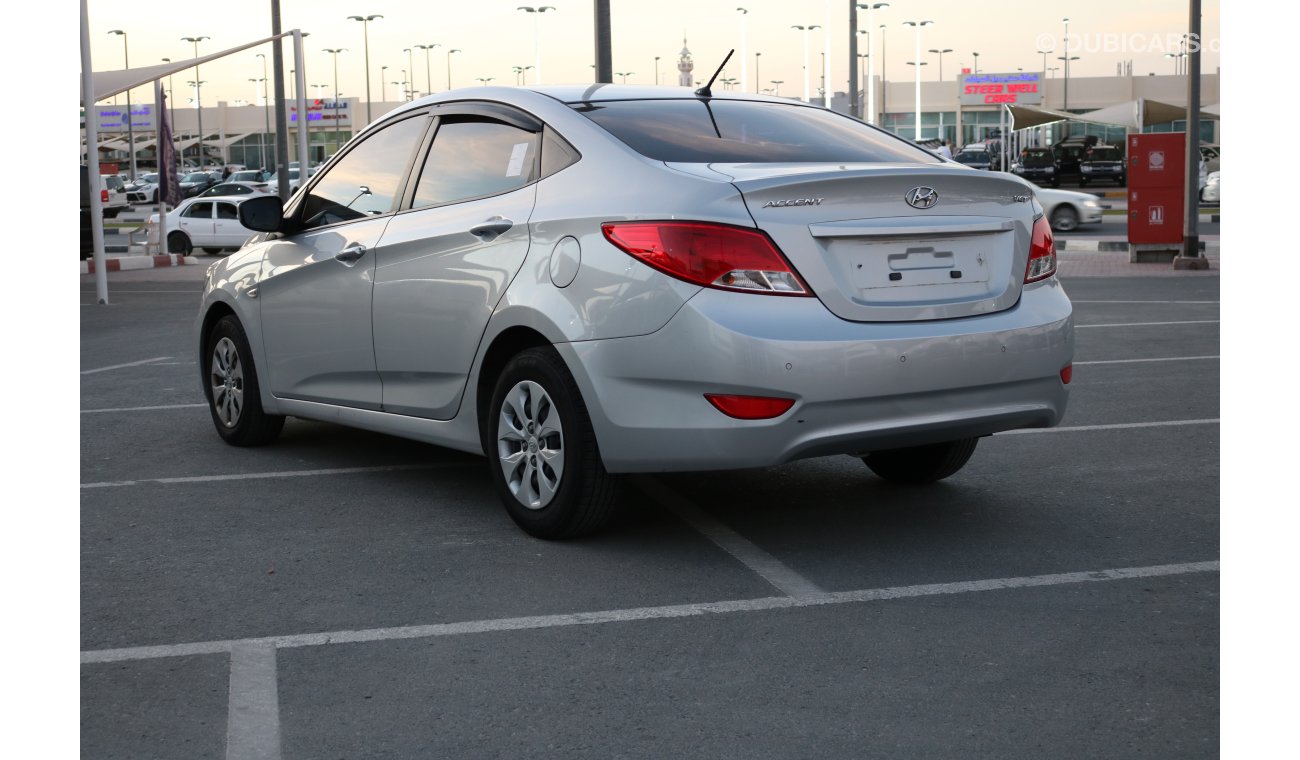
750, 407
1067, 372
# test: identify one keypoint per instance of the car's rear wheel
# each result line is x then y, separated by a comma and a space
179, 242
1064, 219
921, 464
542, 450
230, 383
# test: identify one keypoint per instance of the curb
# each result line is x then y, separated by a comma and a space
1096, 246
127, 263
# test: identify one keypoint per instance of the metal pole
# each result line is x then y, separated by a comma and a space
854, 110
92, 159
300, 66
604, 51
1191, 220
130, 131
281, 107
826, 59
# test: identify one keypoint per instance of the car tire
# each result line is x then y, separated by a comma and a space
213, 251
1064, 218
921, 464
230, 384
179, 242
542, 451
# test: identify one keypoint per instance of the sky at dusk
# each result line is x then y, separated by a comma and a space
493, 37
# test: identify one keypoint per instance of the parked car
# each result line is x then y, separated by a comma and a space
144, 189
587, 281
1069, 153
208, 223
977, 156
250, 175
1210, 192
1210, 155
113, 195
1103, 163
230, 187
196, 182
294, 180
87, 221
1037, 165
1067, 209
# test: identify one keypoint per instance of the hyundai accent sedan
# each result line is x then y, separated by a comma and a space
581, 282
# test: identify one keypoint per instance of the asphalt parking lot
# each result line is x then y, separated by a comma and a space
342, 594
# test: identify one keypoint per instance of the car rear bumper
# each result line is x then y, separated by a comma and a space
856, 386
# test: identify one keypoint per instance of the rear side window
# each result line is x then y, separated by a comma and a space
473, 159
726, 131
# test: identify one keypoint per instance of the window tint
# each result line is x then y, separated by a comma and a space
556, 153
471, 159
199, 210
227, 211
366, 180
699, 131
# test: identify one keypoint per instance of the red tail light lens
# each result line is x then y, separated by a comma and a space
103, 196
750, 407
1042, 252
712, 255
1067, 374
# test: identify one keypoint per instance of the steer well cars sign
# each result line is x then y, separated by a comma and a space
1020, 88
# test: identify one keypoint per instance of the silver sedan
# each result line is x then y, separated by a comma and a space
579, 282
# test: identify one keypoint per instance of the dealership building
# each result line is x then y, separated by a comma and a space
966, 109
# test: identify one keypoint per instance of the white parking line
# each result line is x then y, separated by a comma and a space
253, 723
1120, 426
127, 654
143, 408
1138, 361
129, 364
1151, 324
263, 475
770, 568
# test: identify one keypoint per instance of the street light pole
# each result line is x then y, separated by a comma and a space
428, 77
940, 52
744, 51
130, 132
805, 30
449, 52
365, 30
266, 108
1067, 59
977, 62
1065, 48
757, 81
537, 38
919, 63
624, 74
871, 58
410, 67
261, 144
198, 92
777, 90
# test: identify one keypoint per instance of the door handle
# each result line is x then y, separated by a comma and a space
488, 231
350, 254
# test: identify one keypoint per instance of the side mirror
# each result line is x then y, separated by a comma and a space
264, 213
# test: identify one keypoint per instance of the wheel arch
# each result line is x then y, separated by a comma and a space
505, 345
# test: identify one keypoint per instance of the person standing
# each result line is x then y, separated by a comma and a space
944, 150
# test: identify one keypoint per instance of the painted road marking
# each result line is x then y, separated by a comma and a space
127, 654
1151, 324
129, 364
1120, 426
747, 553
263, 475
143, 408
253, 723
1137, 361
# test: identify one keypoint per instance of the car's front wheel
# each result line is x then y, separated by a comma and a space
1064, 219
179, 242
234, 396
542, 450
921, 464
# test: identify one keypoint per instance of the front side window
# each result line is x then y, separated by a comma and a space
366, 181
474, 158
199, 210
729, 131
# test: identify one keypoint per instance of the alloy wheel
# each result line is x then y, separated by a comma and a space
530, 444
226, 377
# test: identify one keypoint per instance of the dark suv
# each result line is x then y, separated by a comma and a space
1103, 163
1069, 153
1037, 165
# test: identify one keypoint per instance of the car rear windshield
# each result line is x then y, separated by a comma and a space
729, 131
1105, 154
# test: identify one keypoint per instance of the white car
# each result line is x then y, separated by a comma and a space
1210, 191
116, 200
273, 184
208, 223
1067, 209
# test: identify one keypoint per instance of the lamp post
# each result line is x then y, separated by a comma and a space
266, 108
484, 80
756, 79
977, 62
805, 30
335, 52
1065, 106
1065, 48
383, 84
744, 51
656, 70
537, 38
406, 86
871, 55
198, 95
130, 132
777, 89
884, 76
449, 52
428, 76
365, 30
410, 67
940, 52
261, 143
919, 63
624, 74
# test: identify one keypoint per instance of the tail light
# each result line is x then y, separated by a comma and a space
713, 255
750, 407
1042, 252
1067, 374
103, 196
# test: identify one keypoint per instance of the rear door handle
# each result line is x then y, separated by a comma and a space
489, 230
351, 254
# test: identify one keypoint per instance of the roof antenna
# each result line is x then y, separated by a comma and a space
705, 91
